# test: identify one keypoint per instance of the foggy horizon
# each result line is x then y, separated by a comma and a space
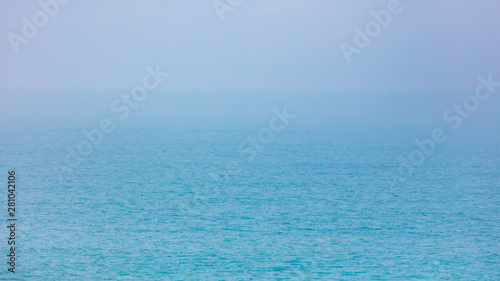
263, 55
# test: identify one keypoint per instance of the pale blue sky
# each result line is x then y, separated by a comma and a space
264, 54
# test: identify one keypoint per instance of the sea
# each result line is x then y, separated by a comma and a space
236, 204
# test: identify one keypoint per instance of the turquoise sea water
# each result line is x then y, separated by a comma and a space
311, 205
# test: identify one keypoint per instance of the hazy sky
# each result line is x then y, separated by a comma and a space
264, 54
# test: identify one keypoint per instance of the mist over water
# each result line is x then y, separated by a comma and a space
241, 140
231, 73
166, 109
